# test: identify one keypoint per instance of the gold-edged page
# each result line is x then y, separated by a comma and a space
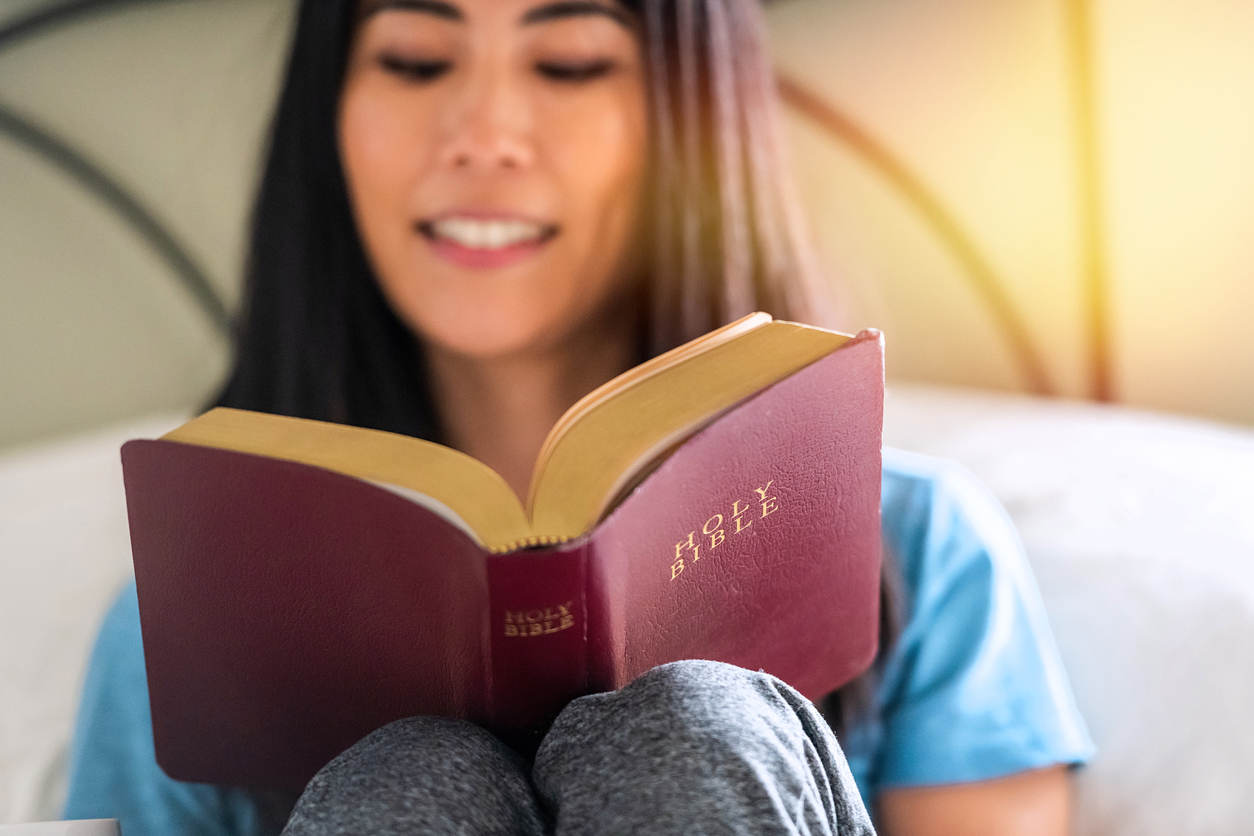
634, 376
474, 492
600, 451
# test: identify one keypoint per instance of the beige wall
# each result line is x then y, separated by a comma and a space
1178, 122
974, 95
171, 100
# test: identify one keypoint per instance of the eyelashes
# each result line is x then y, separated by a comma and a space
414, 70
424, 71
574, 72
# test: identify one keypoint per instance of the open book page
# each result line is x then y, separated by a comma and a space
479, 499
632, 376
600, 452
595, 452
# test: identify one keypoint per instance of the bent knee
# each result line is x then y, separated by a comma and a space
689, 698
700, 686
401, 746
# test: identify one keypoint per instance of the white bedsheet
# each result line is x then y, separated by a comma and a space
64, 551
1140, 529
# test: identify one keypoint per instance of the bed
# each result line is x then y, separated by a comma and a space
1140, 529
121, 221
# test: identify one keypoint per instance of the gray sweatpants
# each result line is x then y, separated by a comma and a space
688, 748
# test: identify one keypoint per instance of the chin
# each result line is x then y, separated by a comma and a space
489, 334
484, 316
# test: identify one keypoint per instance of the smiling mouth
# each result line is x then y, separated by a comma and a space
486, 234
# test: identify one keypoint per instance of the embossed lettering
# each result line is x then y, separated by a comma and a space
539, 622
714, 528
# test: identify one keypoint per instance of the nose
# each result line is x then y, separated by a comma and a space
489, 128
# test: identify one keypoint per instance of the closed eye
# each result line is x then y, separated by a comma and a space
414, 69
574, 72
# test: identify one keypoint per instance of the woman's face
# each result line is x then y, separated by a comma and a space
494, 151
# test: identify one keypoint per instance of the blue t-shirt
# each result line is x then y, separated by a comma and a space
974, 688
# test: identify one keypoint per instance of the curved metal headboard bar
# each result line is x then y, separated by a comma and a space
130, 210
987, 284
985, 280
1090, 198
88, 175
31, 24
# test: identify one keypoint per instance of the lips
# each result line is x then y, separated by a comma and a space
477, 241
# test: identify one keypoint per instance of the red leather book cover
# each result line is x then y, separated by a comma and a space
757, 542
287, 611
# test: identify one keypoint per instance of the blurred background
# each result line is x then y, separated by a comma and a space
1029, 197
1051, 196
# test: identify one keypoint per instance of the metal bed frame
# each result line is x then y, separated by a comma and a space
840, 127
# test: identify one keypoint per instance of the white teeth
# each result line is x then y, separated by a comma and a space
486, 235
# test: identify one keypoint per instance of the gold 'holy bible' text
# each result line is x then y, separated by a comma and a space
715, 530
527, 624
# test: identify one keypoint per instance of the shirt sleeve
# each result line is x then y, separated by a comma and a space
974, 688
113, 769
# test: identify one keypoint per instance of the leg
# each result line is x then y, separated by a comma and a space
424, 775
697, 748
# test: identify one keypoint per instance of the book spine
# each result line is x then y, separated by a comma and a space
607, 593
538, 635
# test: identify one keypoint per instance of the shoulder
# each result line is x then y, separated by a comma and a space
974, 688
116, 683
940, 521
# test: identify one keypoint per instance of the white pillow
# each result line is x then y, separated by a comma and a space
1140, 529
64, 551
81, 827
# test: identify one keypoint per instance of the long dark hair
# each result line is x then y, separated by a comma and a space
722, 231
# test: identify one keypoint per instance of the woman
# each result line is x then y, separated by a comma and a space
473, 213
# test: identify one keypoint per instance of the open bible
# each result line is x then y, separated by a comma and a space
303, 583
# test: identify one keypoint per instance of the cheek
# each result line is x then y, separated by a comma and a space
598, 152
600, 155
595, 150
380, 149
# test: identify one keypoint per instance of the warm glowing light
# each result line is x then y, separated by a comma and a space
980, 99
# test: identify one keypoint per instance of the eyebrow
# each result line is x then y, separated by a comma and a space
576, 8
432, 7
541, 14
